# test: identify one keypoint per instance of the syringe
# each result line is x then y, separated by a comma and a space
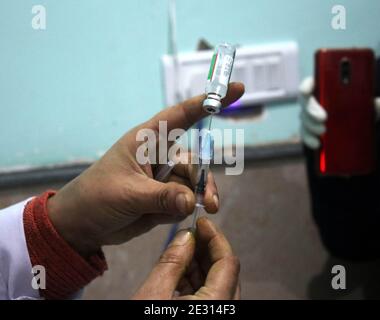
206, 152
216, 89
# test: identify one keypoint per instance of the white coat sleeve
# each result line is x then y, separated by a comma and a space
15, 266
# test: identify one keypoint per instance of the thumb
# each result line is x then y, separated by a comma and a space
188, 112
152, 196
165, 276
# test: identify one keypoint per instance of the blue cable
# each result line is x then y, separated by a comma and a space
172, 232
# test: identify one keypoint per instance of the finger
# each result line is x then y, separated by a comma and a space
185, 114
222, 277
314, 127
211, 238
211, 198
309, 139
166, 275
151, 196
195, 275
307, 86
187, 167
315, 110
180, 180
222, 280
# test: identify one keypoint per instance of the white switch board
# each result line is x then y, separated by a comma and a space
269, 72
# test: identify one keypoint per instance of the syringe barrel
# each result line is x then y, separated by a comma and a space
219, 77
206, 147
206, 154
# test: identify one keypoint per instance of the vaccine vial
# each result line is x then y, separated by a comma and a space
218, 77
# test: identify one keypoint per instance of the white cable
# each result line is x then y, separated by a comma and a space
173, 26
174, 47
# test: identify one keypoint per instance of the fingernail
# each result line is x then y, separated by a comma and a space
216, 200
181, 203
181, 238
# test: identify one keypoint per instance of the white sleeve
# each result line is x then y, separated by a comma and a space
15, 266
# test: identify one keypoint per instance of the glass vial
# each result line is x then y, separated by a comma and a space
218, 77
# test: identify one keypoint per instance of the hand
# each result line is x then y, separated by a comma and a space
314, 116
191, 268
117, 199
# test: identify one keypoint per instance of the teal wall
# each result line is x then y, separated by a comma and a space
67, 93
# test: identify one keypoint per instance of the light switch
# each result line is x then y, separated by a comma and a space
274, 73
239, 72
259, 75
196, 85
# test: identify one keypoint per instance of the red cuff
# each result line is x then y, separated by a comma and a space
66, 271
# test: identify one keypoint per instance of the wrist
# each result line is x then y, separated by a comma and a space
68, 218
66, 270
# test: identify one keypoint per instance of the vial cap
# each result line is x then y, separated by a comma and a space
212, 105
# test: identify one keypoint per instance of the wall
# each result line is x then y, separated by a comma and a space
68, 92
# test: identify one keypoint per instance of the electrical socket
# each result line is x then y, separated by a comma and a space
269, 72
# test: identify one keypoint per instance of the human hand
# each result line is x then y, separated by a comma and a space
117, 198
314, 116
201, 267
